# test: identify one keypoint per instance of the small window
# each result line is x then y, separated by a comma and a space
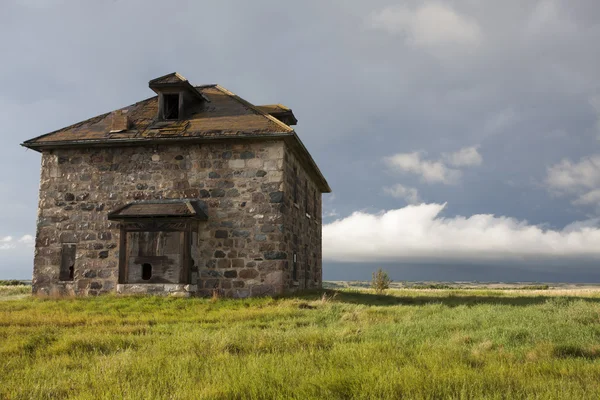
295, 267
146, 271
67, 262
171, 106
306, 196
306, 267
296, 184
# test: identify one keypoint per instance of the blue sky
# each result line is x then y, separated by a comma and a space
459, 136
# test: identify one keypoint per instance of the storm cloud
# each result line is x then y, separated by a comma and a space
491, 108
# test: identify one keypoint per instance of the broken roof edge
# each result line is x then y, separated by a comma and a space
97, 117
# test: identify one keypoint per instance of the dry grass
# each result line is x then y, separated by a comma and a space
416, 344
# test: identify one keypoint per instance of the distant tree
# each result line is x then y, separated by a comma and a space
381, 281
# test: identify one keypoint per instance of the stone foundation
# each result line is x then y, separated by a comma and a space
158, 289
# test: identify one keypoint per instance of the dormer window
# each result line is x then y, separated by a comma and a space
171, 106
176, 97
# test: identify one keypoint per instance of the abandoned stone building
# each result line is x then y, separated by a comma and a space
184, 193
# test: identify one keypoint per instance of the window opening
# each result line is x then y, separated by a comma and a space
296, 185
306, 267
171, 106
295, 267
146, 271
306, 196
67, 262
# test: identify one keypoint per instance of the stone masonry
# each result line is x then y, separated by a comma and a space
241, 249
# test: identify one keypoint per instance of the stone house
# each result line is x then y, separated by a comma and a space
184, 193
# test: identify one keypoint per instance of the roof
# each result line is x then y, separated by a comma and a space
160, 209
173, 77
274, 108
216, 114
280, 112
225, 115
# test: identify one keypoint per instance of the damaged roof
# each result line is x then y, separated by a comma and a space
209, 112
225, 114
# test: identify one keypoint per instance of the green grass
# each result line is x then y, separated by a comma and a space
14, 290
411, 344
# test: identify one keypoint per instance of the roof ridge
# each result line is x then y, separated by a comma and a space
254, 108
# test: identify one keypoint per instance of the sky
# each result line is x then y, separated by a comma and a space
461, 138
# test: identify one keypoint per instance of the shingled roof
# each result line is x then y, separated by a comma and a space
219, 114
225, 114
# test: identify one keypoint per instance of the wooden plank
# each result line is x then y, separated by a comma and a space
186, 257
123, 256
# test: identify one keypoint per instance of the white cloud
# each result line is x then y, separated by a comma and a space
465, 157
8, 242
567, 176
27, 240
408, 194
430, 171
419, 233
431, 24
435, 171
578, 179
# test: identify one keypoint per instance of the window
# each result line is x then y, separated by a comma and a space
295, 185
295, 267
315, 203
146, 271
67, 262
171, 106
306, 267
306, 196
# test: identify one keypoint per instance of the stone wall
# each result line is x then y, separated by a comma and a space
302, 222
240, 249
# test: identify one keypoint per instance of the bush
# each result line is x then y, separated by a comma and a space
431, 286
11, 282
381, 281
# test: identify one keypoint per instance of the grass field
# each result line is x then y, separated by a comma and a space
414, 344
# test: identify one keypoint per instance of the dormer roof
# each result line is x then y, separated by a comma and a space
281, 112
172, 81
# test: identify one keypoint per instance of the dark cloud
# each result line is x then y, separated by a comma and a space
523, 92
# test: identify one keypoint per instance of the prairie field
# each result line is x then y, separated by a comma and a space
331, 344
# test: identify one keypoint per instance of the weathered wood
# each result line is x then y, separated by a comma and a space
123, 256
186, 257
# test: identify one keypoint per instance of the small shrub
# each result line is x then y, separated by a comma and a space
431, 286
535, 287
11, 282
381, 281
